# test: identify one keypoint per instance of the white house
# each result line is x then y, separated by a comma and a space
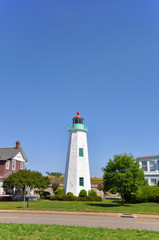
150, 166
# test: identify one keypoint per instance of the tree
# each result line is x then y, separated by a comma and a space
55, 183
55, 180
123, 175
23, 178
56, 174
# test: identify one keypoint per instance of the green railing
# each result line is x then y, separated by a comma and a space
78, 126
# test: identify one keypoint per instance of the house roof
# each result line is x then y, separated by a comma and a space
9, 153
151, 156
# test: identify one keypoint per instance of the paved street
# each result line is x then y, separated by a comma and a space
78, 220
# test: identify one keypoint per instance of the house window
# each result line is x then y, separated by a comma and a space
7, 164
153, 182
21, 165
152, 166
158, 165
144, 165
81, 182
80, 152
13, 165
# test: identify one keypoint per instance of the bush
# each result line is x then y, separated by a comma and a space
90, 199
59, 192
41, 193
74, 198
87, 199
92, 193
145, 194
83, 193
63, 198
98, 199
68, 198
54, 197
44, 194
70, 194
141, 195
153, 194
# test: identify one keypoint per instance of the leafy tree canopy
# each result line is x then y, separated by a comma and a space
23, 178
55, 181
123, 175
56, 174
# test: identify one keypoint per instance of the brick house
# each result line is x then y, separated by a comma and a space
11, 160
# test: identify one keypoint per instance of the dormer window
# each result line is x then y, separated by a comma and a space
13, 164
7, 164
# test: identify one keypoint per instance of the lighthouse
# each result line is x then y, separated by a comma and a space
77, 174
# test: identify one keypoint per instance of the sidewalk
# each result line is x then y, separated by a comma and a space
81, 213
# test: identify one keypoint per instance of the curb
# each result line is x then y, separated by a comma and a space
79, 213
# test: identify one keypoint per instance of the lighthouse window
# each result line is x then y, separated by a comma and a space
80, 152
78, 120
81, 182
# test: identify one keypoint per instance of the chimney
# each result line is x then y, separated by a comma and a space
17, 144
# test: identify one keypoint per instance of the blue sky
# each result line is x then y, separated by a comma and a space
96, 57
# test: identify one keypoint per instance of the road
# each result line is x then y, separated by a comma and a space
78, 220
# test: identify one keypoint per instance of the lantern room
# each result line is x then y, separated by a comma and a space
78, 123
78, 119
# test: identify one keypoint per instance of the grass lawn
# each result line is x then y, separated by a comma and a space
105, 206
46, 232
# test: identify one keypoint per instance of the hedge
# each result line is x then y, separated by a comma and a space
74, 198
145, 194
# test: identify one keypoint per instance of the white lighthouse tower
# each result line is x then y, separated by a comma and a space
77, 175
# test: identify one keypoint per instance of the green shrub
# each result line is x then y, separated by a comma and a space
153, 194
59, 192
70, 194
68, 198
44, 194
41, 193
54, 197
97, 199
82, 199
74, 198
63, 198
141, 195
92, 193
83, 193
145, 194
90, 199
